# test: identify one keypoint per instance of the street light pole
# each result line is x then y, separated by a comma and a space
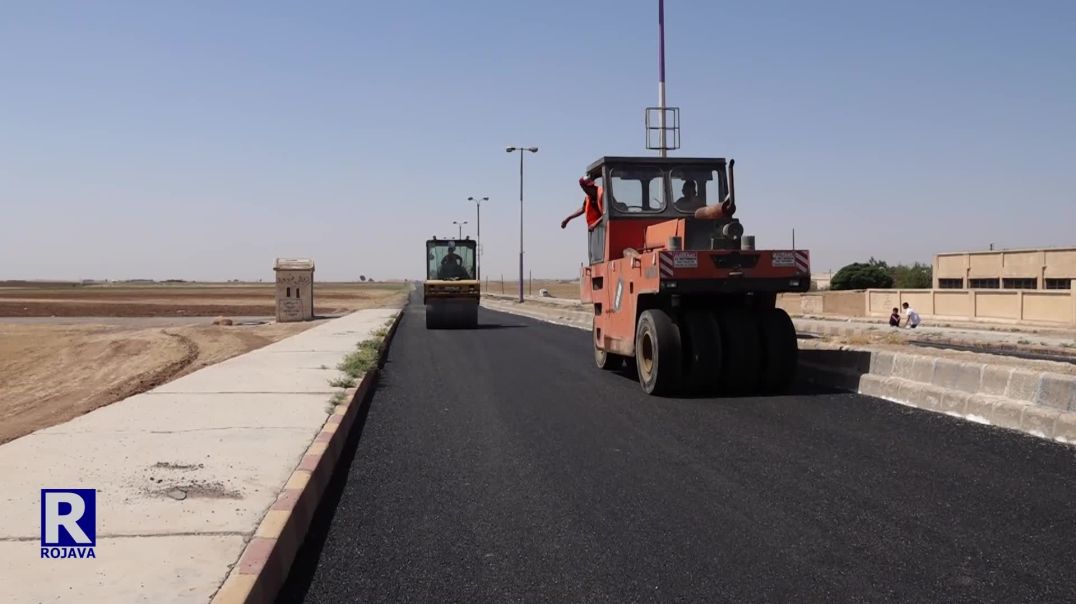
460, 225
521, 150
478, 236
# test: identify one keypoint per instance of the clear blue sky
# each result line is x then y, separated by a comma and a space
200, 140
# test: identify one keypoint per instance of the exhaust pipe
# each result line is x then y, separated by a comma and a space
731, 203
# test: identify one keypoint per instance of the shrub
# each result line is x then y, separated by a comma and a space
859, 275
343, 382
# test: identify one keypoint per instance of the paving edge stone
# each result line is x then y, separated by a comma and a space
266, 560
881, 375
1035, 420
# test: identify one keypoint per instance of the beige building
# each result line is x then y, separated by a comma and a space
820, 281
1047, 268
294, 289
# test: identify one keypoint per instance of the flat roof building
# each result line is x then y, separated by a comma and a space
1042, 268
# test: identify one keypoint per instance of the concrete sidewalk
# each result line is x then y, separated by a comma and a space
184, 472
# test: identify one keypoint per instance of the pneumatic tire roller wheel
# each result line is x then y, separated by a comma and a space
780, 351
658, 353
702, 352
741, 367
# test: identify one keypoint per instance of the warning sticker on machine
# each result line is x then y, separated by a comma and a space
784, 259
686, 260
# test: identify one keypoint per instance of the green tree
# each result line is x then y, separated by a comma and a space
859, 275
916, 276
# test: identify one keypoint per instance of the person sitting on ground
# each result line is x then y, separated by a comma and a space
894, 318
913, 317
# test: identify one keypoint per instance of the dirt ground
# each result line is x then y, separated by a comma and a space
558, 288
53, 372
192, 300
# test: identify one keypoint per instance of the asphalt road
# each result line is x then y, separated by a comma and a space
499, 465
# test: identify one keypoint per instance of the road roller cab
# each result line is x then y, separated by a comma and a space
677, 287
450, 292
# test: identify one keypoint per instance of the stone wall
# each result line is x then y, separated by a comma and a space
1032, 307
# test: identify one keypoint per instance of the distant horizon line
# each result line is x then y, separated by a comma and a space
243, 281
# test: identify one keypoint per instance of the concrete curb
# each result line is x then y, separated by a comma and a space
1041, 404
267, 558
566, 318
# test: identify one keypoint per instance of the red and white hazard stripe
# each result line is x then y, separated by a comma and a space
803, 262
666, 262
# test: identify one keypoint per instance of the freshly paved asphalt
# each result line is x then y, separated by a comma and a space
499, 465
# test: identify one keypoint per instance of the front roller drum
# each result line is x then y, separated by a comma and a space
452, 314
658, 354
433, 317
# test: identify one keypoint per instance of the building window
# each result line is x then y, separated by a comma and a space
983, 283
1020, 283
951, 283
1059, 284
288, 293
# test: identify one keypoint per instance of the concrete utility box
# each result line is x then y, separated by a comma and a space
294, 289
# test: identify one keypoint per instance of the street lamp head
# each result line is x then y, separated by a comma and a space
532, 149
509, 149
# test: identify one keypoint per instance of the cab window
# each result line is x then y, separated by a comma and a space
694, 188
637, 190
450, 260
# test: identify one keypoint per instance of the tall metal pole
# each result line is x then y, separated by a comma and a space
478, 228
521, 226
661, 73
521, 151
478, 242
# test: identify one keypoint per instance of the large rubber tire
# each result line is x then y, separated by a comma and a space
741, 367
780, 351
658, 353
607, 361
472, 317
702, 352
